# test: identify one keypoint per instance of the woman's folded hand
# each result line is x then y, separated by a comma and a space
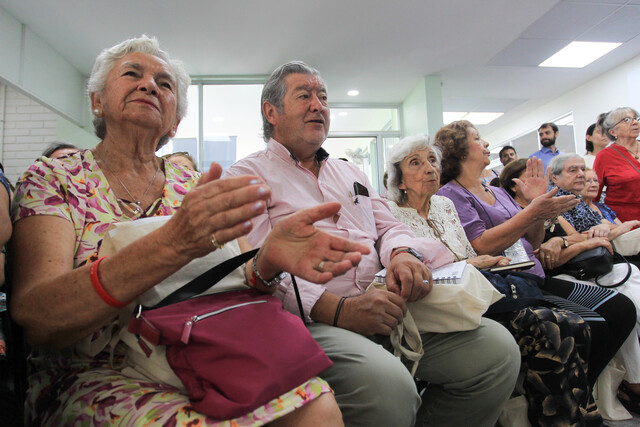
486, 261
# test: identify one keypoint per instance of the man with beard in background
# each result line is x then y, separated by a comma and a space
548, 133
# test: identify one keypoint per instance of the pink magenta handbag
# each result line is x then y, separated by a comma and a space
233, 351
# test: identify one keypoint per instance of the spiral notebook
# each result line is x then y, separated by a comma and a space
447, 274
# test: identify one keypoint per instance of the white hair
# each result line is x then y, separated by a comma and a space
107, 58
613, 117
397, 154
556, 165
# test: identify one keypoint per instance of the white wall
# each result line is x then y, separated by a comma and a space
28, 63
27, 127
618, 87
414, 111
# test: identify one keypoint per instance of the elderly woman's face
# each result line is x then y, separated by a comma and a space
627, 127
572, 176
590, 190
139, 90
477, 147
420, 173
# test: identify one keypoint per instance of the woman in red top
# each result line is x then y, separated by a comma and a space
618, 166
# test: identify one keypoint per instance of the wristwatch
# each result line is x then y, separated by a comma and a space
565, 242
409, 251
268, 283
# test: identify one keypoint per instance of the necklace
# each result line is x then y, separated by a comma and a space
137, 208
636, 155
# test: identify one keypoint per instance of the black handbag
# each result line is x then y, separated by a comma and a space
521, 290
592, 264
588, 264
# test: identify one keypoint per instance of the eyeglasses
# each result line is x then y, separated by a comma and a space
628, 120
591, 181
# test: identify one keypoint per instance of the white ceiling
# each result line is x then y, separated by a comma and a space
485, 51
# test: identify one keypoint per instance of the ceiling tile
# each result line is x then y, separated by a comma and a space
619, 27
527, 52
567, 21
620, 2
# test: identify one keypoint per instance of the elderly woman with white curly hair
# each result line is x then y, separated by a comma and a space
67, 293
542, 333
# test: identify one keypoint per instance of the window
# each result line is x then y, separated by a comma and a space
223, 124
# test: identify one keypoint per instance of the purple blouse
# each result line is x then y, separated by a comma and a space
483, 216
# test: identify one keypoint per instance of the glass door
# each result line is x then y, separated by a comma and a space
361, 151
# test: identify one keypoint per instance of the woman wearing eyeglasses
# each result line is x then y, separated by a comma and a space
618, 166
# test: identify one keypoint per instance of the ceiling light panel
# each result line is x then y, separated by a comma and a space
578, 54
452, 116
482, 118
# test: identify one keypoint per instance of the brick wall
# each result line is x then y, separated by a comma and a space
26, 127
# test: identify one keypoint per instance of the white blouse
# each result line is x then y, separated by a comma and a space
443, 216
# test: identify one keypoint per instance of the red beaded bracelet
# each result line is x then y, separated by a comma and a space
97, 286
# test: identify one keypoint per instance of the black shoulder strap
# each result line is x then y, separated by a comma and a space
205, 280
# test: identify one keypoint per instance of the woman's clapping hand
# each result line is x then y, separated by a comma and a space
296, 246
216, 207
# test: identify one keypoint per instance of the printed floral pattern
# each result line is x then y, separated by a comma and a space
69, 388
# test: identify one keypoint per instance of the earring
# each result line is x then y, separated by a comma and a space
96, 111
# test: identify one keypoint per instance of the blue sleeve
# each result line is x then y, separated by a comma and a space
607, 212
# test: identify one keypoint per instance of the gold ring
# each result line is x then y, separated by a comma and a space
321, 266
215, 243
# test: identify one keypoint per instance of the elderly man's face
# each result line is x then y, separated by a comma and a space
572, 176
304, 120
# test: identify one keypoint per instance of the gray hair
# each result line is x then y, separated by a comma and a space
556, 165
57, 145
397, 154
613, 117
107, 58
275, 88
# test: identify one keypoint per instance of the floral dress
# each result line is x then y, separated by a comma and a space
82, 386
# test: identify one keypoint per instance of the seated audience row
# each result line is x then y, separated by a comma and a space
542, 333
68, 295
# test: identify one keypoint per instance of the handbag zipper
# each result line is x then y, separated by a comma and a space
514, 291
186, 331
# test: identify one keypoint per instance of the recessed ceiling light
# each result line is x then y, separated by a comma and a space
343, 113
353, 92
482, 118
452, 116
579, 54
